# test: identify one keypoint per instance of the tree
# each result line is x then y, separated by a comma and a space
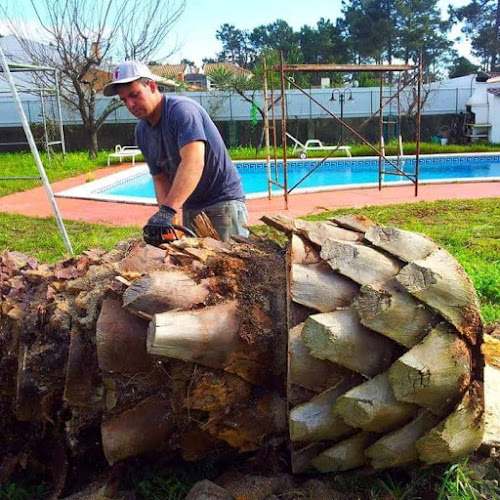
188, 62
247, 88
481, 26
236, 47
324, 44
81, 41
371, 28
278, 35
461, 67
420, 30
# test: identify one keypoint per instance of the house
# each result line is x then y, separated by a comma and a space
16, 51
210, 68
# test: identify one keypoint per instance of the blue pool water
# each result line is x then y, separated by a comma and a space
337, 172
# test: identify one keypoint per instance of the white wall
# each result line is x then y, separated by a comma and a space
445, 98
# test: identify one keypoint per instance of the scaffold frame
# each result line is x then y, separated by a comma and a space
283, 69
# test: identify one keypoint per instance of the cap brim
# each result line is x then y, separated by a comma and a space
110, 88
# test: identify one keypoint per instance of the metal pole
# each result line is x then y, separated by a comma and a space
44, 120
34, 152
283, 129
419, 123
266, 132
59, 114
381, 130
341, 99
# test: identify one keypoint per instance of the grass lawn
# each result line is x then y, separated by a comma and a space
468, 229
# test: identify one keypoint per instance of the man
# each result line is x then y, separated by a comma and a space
186, 155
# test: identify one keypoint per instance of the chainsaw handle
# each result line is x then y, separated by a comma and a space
184, 229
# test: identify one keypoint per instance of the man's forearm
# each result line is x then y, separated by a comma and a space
185, 182
162, 188
188, 174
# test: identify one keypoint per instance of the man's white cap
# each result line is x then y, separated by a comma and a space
127, 72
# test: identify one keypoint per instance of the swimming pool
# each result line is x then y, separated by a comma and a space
134, 185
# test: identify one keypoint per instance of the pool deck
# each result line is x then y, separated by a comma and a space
36, 203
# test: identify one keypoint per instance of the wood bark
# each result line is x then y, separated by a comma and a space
315, 420
491, 351
388, 372
363, 265
310, 372
348, 454
405, 245
459, 433
439, 281
387, 308
339, 337
315, 286
372, 406
398, 448
434, 373
164, 290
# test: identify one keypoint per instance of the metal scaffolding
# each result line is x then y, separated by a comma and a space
7, 69
384, 161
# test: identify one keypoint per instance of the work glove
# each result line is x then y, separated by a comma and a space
163, 218
158, 225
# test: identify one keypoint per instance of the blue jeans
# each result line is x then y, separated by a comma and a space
227, 217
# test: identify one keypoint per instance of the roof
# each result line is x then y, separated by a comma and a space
237, 70
98, 77
168, 70
486, 76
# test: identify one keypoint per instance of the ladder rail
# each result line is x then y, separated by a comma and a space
34, 151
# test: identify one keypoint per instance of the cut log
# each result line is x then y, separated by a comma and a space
440, 281
121, 340
346, 455
339, 337
83, 385
161, 291
141, 259
208, 336
316, 232
397, 449
406, 245
310, 372
491, 350
362, 264
354, 222
317, 287
372, 406
315, 420
459, 434
319, 232
125, 435
389, 309
301, 252
435, 373
203, 227
301, 457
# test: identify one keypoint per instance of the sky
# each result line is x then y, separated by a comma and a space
195, 31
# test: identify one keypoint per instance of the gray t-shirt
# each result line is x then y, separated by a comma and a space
183, 121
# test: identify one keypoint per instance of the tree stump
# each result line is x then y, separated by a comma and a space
352, 346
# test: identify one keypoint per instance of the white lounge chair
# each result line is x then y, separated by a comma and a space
125, 152
315, 145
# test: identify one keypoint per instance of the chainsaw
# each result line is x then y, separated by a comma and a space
158, 236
